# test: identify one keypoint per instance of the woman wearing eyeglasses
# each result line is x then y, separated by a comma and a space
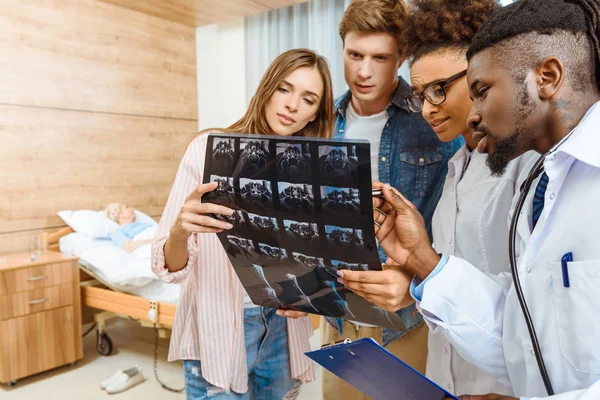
470, 220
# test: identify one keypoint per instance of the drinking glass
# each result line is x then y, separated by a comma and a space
35, 246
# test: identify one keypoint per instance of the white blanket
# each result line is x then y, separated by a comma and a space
113, 264
147, 234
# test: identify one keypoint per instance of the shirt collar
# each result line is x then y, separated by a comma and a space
583, 142
461, 153
402, 91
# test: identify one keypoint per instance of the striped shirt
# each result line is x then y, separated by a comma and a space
209, 322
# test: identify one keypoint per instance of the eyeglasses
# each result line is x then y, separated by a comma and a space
435, 93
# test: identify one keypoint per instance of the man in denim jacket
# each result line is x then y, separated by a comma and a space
405, 153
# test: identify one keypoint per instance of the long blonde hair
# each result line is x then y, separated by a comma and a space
255, 121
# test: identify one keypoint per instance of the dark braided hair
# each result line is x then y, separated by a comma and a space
440, 25
578, 21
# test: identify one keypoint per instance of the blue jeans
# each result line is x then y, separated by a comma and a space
267, 358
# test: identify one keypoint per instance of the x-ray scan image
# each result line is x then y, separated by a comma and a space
325, 299
302, 231
334, 301
296, 197
293, 293
345, 237
263, 293
255, 159
349, 266
224, 193
264, 229
275, 253
264, 224
293, 162
302, 213
340, 200
224, 184
240, 247
304, 235
338, 165
236, 219
223, 156
256, 191
308, 262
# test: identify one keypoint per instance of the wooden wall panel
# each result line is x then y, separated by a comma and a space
97, 104
54, 160
94, 56
16, 242
202, 12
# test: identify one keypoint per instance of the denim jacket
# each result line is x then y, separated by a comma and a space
414, 161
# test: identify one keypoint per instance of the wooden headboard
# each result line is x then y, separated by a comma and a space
50, 239
100, 106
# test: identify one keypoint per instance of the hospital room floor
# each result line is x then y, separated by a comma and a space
133, 346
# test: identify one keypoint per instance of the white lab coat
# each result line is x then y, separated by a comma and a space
481, 316
470, 222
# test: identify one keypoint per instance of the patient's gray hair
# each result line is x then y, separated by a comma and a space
112, 210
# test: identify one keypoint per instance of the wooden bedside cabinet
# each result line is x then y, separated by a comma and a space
40, 314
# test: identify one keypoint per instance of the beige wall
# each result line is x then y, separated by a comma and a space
97, 104
221, 55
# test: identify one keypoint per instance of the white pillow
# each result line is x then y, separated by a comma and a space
94, 224
141, 217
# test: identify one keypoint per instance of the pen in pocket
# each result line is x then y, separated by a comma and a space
568, 257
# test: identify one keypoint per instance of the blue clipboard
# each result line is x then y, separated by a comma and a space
376, 372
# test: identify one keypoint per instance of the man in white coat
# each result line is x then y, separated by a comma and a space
534, 76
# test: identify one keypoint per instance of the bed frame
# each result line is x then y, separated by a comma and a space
99, 295
113, 303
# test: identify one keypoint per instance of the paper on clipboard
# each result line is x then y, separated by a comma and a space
376, 372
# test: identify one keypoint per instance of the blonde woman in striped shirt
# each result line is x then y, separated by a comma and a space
231, 348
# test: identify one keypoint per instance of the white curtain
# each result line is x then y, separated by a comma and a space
312, 25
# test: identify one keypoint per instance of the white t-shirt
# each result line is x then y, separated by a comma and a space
370, 128
248, 301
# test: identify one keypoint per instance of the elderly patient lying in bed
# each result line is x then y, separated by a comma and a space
128, 229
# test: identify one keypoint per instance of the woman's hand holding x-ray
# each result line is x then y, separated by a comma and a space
193, 218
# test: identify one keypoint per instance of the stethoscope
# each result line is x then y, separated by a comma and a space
535, 171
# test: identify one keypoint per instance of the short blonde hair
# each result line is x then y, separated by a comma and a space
112, 210
374, 16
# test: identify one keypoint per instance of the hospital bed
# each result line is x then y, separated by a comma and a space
117, 283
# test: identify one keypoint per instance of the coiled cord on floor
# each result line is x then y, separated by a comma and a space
89, 330
170, 389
